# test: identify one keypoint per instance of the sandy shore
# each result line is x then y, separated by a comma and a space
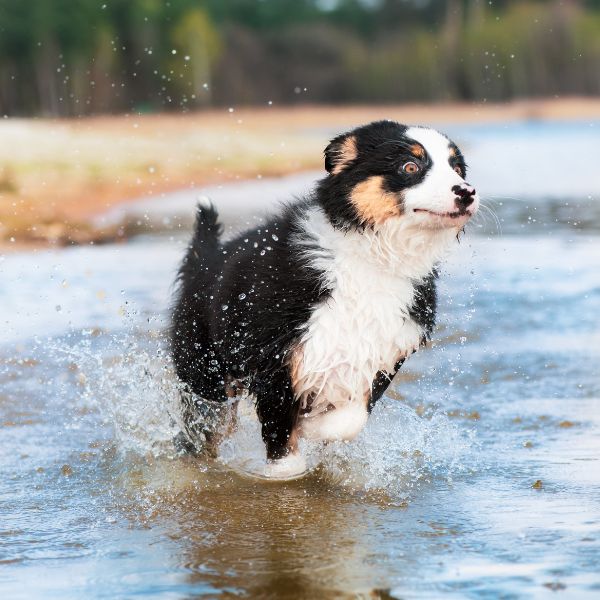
57, 175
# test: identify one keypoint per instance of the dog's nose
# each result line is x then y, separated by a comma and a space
465, 194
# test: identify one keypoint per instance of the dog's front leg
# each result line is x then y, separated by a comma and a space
412, 340
382, 381
277, 411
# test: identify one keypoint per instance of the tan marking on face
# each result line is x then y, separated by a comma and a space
452, 152
417, 150
347, 153
372, 203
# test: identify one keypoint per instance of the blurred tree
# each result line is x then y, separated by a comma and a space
198, 44
59, 57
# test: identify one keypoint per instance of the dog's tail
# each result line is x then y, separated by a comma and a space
204, 254
207, 231
193, 351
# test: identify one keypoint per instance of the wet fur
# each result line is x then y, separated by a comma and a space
315, 311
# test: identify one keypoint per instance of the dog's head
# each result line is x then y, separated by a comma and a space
386, 170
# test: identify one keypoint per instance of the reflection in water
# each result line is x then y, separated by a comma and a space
286, 540
299, 539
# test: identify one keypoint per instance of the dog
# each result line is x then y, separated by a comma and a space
314, 312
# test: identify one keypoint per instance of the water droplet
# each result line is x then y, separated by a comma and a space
224, 306
242, 296
275, 237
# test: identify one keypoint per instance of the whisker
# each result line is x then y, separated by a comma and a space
493, 215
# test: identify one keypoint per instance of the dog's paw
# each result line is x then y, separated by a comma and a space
291, 466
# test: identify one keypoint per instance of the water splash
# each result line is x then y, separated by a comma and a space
128, 378
396, 451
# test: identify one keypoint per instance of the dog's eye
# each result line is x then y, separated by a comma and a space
458, 170
410, 167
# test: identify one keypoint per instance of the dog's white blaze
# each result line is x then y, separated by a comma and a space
364, 326
435, 191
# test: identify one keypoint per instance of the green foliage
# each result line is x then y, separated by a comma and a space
196, 44
65, 57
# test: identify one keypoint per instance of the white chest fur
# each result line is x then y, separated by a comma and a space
363, 327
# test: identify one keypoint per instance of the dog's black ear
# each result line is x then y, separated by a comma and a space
340, 152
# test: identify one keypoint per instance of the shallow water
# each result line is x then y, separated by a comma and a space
478, 475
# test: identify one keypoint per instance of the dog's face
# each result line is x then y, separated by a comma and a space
386, 170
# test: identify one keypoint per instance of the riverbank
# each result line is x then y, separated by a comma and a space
57, 176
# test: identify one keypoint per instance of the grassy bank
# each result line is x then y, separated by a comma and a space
55, 176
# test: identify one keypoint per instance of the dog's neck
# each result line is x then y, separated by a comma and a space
394, 247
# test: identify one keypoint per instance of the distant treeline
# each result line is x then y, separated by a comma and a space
71, 57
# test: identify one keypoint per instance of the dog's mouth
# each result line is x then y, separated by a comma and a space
457, 214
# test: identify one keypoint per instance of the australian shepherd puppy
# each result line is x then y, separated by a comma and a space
315, 311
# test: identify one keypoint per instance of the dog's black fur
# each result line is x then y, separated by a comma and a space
241, 306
